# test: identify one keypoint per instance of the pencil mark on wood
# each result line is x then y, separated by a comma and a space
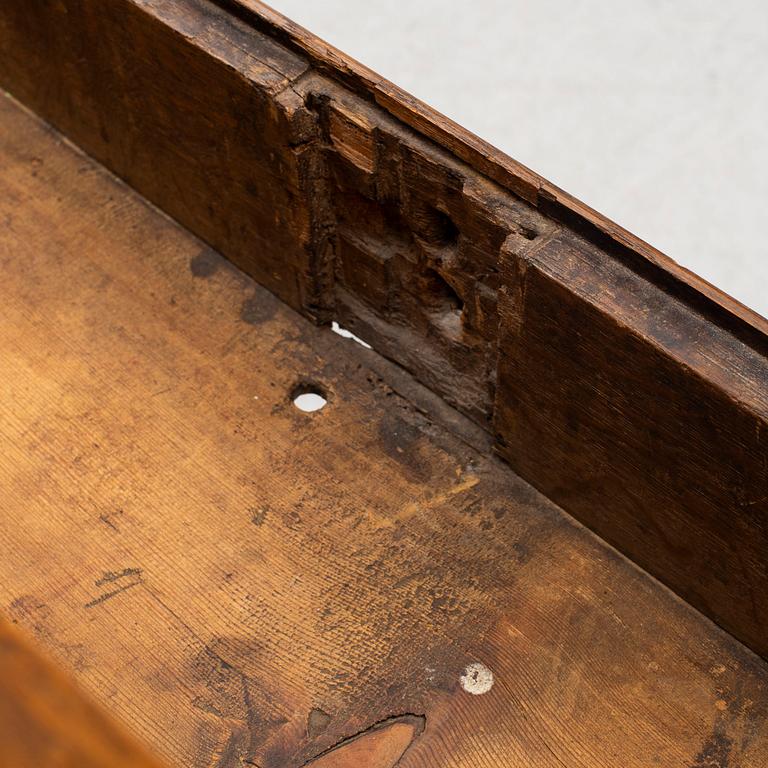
115, 577
108, 519
110, 576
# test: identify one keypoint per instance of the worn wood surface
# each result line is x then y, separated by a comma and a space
499, 167
338, 209
187, 105
46, 721
351, 201
649, 425
241, 583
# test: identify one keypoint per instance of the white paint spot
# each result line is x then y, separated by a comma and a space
477, 679
336, 328
309, 402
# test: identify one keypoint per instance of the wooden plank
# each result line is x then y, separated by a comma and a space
499, 167
241, 583
351, 202
189, 106
316, 194
643, 421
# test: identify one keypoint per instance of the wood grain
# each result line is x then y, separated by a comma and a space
131, 82
240, 583
643, 421
502, 169
351, 201
331, 204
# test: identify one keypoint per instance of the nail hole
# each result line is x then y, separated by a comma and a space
309, 398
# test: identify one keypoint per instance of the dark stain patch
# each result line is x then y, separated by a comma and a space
222, 688
234, 751
445, 603
125, 579
400, 441
28, 607
716, 750
317, 722
227, 675
257, 310
522, 551
205, 264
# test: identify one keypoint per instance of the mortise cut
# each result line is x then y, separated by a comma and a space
441, 295
309, 397
445, 306
434, 226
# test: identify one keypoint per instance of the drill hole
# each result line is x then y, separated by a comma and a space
309, 398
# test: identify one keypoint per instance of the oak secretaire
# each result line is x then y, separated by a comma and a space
529, 525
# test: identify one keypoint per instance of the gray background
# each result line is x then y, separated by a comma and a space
651, 111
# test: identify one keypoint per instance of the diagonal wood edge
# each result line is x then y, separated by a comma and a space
507, 172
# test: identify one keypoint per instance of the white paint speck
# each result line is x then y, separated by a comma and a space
477, 679
336, 328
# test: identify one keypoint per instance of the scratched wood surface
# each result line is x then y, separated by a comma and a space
601, 369
240, 583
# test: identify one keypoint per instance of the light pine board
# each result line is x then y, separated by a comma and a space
239, 583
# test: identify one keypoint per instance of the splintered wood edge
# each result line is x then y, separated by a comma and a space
630, 391
495, 164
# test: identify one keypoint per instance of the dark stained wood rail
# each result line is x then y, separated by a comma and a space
255, 587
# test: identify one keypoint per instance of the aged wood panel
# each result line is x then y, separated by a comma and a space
504, 170
340, 210
240, 583
188, 105
643, 421
417, 241
349, 200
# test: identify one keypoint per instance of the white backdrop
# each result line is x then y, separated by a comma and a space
654, 112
